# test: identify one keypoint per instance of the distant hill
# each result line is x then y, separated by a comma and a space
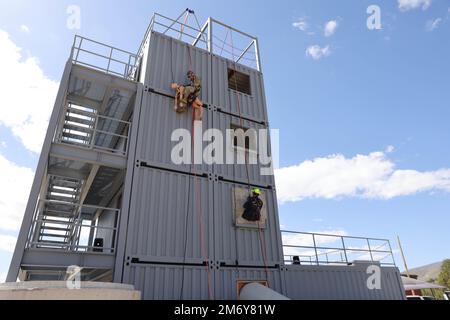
427, 272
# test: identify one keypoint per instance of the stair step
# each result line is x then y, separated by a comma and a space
65, 183
80, 120
55, 228
81, 112
53, 235
56, 214
64, 191
60, 198
55, 221
52, 242
67, 135
73, 127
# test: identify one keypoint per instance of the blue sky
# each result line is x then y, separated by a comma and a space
380, 94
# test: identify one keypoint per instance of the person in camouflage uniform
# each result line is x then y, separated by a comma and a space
189, 95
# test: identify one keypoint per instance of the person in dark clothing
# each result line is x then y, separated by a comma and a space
252, 207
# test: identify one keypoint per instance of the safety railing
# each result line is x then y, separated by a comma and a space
73, 227
214, 36
102, 57
84, 127
305, 248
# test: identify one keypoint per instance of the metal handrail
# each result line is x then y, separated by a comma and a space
90, 141
204, 35
75, 223
343, 251
129, 68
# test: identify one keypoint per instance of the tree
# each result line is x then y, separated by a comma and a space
444, 275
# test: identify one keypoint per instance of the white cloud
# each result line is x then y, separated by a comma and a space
330, 28
14, 190
25, 28
405, 5
27, 95
433, 24
301, 24
316, 52
365, 176
390, 149
7, 243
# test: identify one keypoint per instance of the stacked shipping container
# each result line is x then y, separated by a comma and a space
181, 217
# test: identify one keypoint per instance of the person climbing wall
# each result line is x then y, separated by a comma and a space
188, 94
253, 205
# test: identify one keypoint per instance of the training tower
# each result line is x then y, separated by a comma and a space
108, 198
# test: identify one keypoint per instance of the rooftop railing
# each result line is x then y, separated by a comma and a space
103, 57
305, 248
214, 36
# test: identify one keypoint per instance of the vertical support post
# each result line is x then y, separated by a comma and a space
94, 132
109, 60
370, 251
210, 36
343, 247
78, 51
315, 249
390, 250
73, 48
257, 56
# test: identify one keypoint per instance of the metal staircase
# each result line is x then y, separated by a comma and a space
57, 221
79, 125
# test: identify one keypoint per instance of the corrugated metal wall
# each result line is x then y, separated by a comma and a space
158, 282
161, 203
157, 122
238, 172
341, 282
172, 282
237, 245
250, 106
169, 60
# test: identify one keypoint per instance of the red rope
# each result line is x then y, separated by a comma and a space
198, 199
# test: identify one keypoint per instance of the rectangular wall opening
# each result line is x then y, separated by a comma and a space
239, 81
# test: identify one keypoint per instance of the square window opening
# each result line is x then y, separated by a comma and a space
239, 81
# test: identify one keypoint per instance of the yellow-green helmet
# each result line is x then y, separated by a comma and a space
256, 191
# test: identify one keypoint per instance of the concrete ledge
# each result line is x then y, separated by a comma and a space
57, 290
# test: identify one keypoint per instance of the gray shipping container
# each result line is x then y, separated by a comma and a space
243, 245
158, 282
174, 282
251, 106
161, 204
170, 59
157, 122
341, 282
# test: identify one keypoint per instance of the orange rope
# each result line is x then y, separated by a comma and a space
198, 197
261, 238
